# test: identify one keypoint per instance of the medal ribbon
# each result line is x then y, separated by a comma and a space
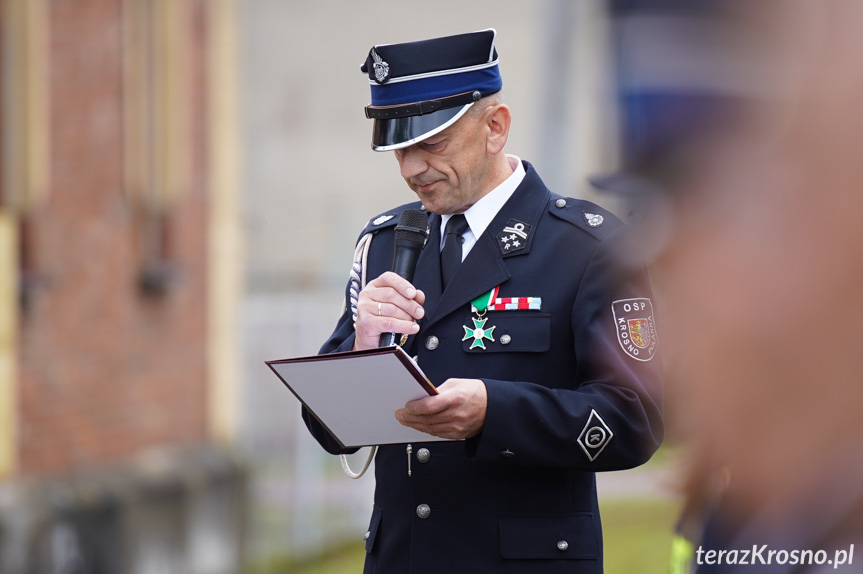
482, 302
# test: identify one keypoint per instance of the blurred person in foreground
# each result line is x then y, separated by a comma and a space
761, 273
542, 342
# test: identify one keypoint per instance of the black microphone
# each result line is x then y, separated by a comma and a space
410, 236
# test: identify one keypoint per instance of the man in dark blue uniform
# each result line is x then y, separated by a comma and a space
539, 335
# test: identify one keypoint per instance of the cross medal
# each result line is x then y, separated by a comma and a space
479, 332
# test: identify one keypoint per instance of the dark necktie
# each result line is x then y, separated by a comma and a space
450, 255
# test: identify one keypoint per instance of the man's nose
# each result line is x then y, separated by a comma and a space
411, 161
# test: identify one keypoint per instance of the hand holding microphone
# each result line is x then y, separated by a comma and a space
390, 305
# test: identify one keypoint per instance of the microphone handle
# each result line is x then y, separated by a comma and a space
404, 265
387, 340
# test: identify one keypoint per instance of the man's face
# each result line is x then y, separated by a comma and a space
449, 171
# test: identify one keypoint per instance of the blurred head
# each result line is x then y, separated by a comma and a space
761, 274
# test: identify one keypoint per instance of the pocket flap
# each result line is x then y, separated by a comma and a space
374, 524
507, 332
564, 536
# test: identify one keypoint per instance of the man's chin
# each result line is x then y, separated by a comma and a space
428, 201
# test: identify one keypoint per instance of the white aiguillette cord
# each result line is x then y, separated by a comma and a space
358, 281
411, 233
347, 467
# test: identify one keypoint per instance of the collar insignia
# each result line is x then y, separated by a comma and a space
593, 219
514, 237
382, 69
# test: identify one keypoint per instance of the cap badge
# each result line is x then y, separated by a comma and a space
382, 69
594, 219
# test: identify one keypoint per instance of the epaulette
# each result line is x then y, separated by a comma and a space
388, 218
585, 215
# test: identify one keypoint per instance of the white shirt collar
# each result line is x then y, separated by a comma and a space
480, 214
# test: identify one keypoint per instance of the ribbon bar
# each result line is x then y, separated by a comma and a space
491, 302
516, 304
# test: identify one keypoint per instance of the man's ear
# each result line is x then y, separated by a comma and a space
498, 118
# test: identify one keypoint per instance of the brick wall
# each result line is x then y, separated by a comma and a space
105, 369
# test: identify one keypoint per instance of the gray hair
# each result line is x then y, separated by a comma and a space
478, 108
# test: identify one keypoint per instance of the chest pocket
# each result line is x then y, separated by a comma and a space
507, 332
563, 537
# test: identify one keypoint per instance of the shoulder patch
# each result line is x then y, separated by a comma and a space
636, 327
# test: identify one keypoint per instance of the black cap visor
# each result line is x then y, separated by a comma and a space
397, 133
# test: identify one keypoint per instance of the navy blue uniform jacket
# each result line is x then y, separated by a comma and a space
576, 389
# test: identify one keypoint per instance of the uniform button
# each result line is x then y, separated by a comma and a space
367, 534
507, 454
562, 545
423, 455
432, 342
423, 510
505, 340
560, 203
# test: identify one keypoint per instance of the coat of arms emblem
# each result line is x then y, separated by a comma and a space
636, 328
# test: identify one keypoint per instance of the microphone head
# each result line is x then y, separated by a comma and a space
412, 227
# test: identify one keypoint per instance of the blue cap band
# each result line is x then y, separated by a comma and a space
487, 81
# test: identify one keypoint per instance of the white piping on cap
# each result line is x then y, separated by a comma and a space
489, 64
436, 74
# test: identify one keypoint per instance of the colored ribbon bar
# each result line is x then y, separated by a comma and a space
491, 302
516, 304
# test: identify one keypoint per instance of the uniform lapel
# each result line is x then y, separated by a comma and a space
485, 266
482, 270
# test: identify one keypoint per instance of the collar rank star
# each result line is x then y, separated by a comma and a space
514, 237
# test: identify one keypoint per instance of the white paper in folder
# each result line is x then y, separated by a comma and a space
355, 394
